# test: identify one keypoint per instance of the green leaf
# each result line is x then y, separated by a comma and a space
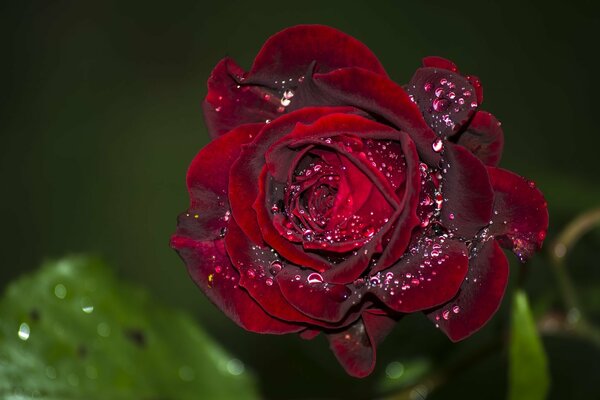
528, 366
73, 331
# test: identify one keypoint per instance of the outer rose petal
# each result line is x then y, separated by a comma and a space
484, 138
258, 268
467, 193
236, 97
446, 99
208, 192
520, 219
439, 62
418, 282
376, 95
288, 53
479, 296
356, 347
228, 104
203, 260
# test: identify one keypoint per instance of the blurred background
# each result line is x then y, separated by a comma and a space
101, 117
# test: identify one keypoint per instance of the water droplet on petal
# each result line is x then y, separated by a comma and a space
446, 314
428, 86
456, 309
451, 216
86, 306
437, 145
314, 278
275, 267
440, 104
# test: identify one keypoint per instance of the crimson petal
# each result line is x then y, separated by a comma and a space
288, 53
484, 138
203, 260
447, 99
228, 104
378, 96
356, 347
520, 219
467, 191
429, 275
479, 296
439, 62
258, 267
246, 171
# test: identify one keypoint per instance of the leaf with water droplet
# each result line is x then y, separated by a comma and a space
73, 331
528, 366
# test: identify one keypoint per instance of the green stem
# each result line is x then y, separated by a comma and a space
565, 242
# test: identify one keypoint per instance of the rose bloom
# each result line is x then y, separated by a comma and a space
332, 200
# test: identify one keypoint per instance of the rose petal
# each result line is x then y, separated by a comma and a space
429, 275
484, 138
210, 268
520, 218
228, 104
288, 53
446, 99
376, 95
356, 347
245, 172
439, 62
467, 191
308, 292
209, 207
258, 267
479, 296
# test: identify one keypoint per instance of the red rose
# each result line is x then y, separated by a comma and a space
333, 200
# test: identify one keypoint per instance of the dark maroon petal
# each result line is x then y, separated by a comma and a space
312, 295
258, 267
467, 191
356, 347
484, 138
378, 96
210, 268
429, 275
476, 83
479, 296
439, 62
520, 218
446, 99
228, 104
209, 208
289, 53
309, 334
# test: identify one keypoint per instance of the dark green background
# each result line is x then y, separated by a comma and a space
101, 116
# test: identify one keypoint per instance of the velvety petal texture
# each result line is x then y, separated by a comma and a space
333, 200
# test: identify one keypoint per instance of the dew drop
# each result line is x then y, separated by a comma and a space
446, 314
440, 104
269, 282
368, 232
276, 267
235, 367
87, 306
307, 235
24, 331
437, 145
451, 216
314, 278
439, 92
60, 291
456, 309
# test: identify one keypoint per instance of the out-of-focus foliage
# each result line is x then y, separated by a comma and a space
528, 369
72, 331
